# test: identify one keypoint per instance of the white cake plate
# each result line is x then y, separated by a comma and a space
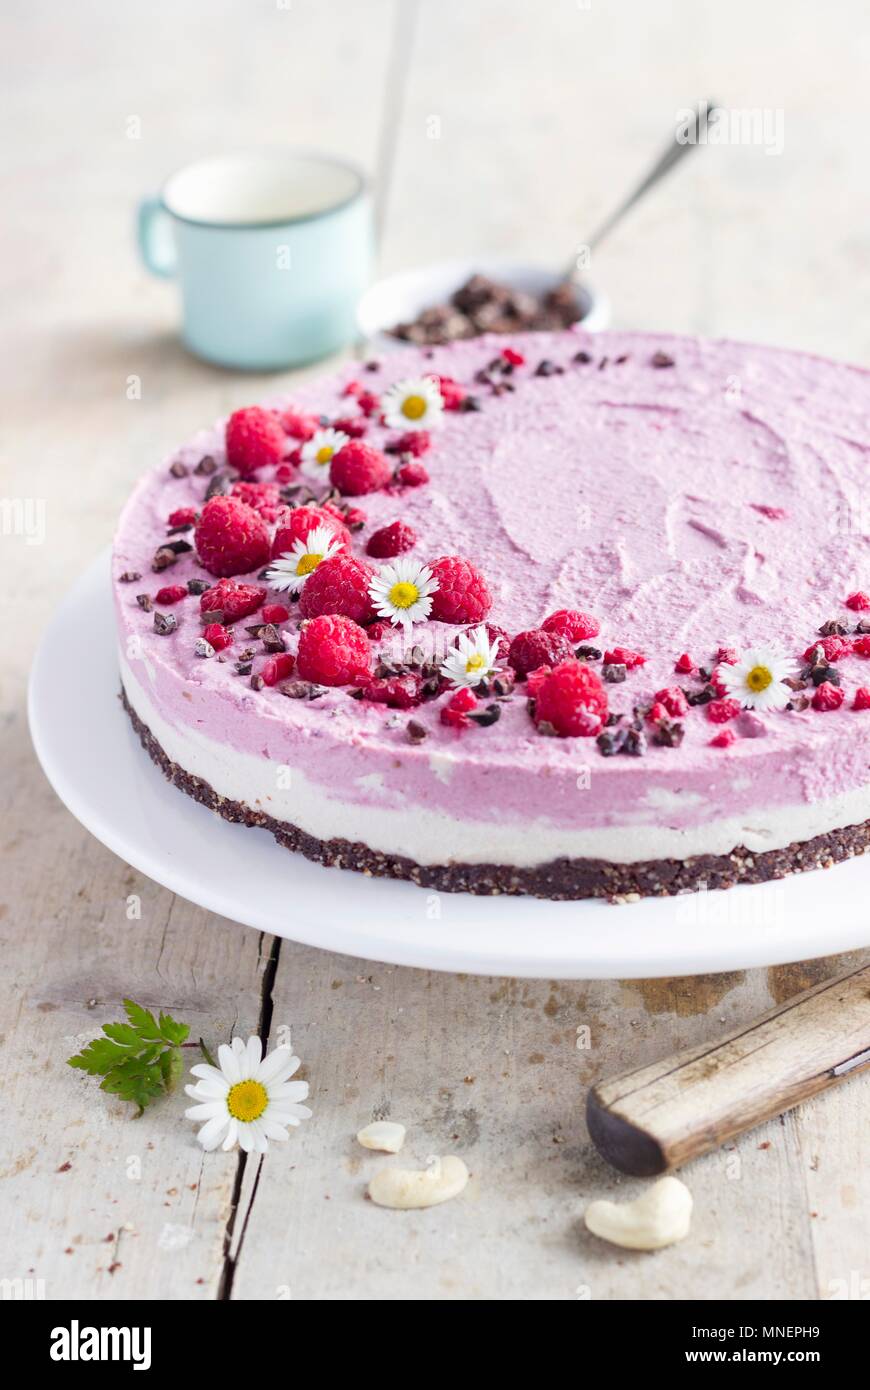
93, 760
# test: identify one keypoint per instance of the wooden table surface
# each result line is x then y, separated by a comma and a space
545, 114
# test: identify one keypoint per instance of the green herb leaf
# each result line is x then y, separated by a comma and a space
138, 1060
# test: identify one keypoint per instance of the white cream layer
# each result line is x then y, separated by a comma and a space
432, 837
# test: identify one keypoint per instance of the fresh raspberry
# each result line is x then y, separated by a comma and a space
230, 537
624, 656
368, 402
828, 696
535, 679
452, 394
462, 595
397, 692
537, 647
673, 699
515, 358
285, 472
333, 650
656, 713
720, 711
173, 593
265, 498
299, 426
275, 613
217, 635
277, 668
726, 656
455, 713
254, 438
358, 468
391, 540
412, 475
416, 442
862, 698
234, 600
723, 739
858, 601
354, 426
498, 635
182, 516
572, 701
684, 665
295, 523
833, 647
576, 626
339, 585
861, 646
376, 632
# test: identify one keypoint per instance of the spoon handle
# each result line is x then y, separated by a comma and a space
690, 136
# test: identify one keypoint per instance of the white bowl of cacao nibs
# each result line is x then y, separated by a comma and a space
452, 300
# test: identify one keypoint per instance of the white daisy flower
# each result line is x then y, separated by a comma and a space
472, 660
402, 591
757, 678
289, 571
414, 404
248, 1099
318, 451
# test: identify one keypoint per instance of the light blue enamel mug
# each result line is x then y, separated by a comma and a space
271, 250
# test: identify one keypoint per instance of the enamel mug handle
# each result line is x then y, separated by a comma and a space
156, 244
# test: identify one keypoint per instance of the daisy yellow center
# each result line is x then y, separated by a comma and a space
404, 595
759, 678
474, 663
247, 1100
307, 563
414, 407
324, 454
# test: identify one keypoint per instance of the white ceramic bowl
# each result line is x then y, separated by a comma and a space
400, 298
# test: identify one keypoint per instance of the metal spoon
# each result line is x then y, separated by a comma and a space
704, 115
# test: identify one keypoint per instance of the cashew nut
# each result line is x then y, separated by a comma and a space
403, 1188
384, 1135
659, 1217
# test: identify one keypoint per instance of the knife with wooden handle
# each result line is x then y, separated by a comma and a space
658, 1117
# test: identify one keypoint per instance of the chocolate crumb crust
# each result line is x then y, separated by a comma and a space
560, 880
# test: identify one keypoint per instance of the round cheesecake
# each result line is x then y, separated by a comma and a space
653, 551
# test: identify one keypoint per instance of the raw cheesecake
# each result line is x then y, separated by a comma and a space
569, 617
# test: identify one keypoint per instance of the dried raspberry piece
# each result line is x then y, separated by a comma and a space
376, 632
726, 656
673, 699
285, 472
715, 683
397, 692
416, 442
218, 637
339, 585
656, 713
858, 602
571, 623
684, 665
353, 388
358, 468
723, 739
333, 650
254, 438
230, 537
452, 393
277, 668
265, 498
234, 600
862, 698
538, 647
828, 697
720, 711
624, 656
455, 713
275, 613
412, 475
571, 701
299, 425
182, 516
173, 593
535, 679
462, 595
391, 540
295, 523
511, 355
861, 646
833, 647
354, 426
